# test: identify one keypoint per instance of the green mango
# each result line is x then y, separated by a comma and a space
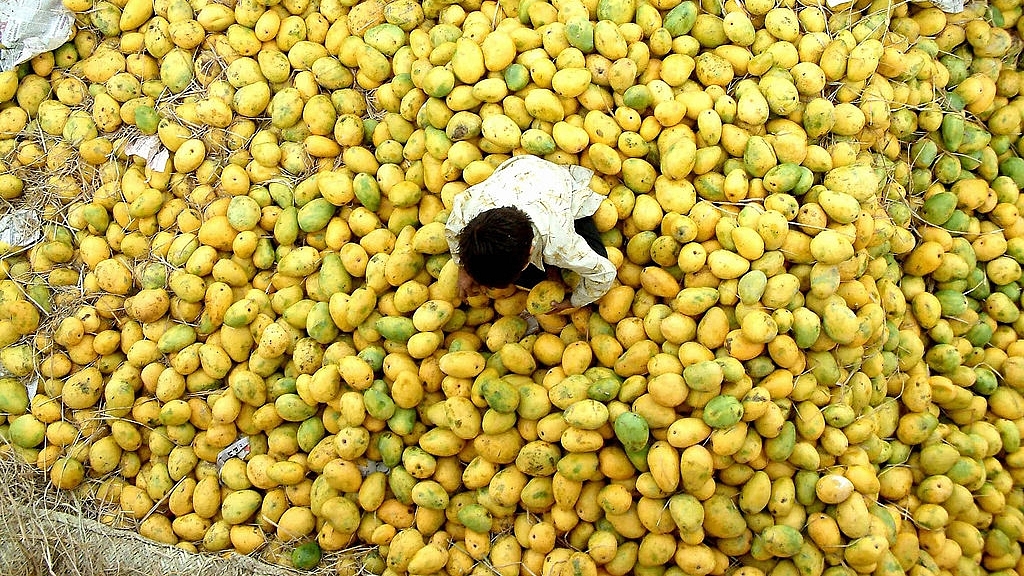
632, 431
517, 76
395, 328
319, 324
781, 447
580, 34
687, 512
475, 517
378, 404
175, 338
403, 421
538, 142
310, 433
680, 20
307, 556
241, 313
723, 411
923, 152
938, 209
500, 395
618, 11
292, 408
315, 215
953, 303
286, 228
401, 483
781, 540
953, 131
604, 389
390, 446
366, 190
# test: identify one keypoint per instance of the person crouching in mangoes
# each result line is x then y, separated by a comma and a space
527, 220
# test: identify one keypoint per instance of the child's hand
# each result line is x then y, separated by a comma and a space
563, 307
467, 286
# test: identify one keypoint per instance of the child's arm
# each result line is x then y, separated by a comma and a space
595, 271
453, 226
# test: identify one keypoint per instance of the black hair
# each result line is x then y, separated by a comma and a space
494, 247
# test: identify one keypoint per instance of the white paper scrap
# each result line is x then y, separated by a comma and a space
950, 6
152, 150
32, 387
238, 449
30, 27
368, 467
22, 227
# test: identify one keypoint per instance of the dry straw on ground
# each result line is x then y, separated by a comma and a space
46, 532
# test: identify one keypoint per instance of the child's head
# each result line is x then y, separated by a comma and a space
494, 247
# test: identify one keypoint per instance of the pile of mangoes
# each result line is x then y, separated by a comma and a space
809, 361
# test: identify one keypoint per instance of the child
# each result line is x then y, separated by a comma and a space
527, 214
